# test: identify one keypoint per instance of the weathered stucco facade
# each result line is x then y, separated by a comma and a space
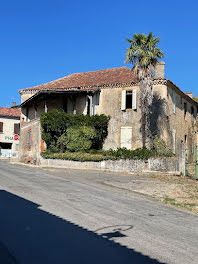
9, 132
113, 92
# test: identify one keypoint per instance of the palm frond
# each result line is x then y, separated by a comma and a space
143, 50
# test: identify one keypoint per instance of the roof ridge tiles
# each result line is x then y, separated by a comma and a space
5, 111
89, 79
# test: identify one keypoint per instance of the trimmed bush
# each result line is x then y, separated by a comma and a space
55, 123
80, 139
123, 153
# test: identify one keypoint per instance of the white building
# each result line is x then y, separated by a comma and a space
9, 132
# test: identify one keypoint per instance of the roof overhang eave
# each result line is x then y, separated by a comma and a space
42, 94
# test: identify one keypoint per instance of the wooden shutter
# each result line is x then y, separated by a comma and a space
1, 127
123, 103
134, 99
126, 137
174, 140
17, 129
174, 103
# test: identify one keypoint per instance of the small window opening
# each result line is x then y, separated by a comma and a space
192, 114
129, 99
185, 109
88, 105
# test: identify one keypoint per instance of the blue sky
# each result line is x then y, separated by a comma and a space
42, 40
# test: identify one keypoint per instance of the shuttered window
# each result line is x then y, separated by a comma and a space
1, 127
129, 100
17, 129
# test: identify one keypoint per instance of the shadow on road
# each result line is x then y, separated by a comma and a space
35, 236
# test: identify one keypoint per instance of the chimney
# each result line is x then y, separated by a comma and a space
13, 104
159, 70
189, 94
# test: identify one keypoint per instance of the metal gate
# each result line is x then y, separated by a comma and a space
191, 169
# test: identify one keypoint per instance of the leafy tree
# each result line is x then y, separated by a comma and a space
144, 55
195, 98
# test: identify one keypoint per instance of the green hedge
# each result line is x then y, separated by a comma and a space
99, 155
77, 156
55, 124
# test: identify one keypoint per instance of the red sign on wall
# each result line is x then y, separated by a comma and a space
16, 137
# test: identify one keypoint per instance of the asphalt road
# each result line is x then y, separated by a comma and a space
53, 217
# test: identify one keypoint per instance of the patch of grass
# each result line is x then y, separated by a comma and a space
172, 201
169, 200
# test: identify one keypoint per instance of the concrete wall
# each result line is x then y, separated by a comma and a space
169, 165
8, 133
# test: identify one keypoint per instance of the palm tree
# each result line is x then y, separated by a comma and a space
144, 55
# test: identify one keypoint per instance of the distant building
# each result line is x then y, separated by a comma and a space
9, 132
113, 92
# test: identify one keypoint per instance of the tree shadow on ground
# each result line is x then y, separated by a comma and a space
34, 236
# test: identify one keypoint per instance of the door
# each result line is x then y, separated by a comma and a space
126, 137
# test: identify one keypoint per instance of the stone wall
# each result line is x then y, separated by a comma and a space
30, 144
169, 165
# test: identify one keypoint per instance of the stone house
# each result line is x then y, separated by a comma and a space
9, 132
113, 92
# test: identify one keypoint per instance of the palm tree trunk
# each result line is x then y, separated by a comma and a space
145, 83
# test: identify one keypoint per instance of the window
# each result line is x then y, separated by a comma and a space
192, 114
74, 104
129, 96
129, 100
185, 109
1, 127
89, 105
17, 129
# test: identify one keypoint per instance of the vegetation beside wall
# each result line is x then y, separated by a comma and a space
80, 138
99, 155
62, 131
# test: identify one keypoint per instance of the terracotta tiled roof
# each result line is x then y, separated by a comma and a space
10, 112
89, 79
